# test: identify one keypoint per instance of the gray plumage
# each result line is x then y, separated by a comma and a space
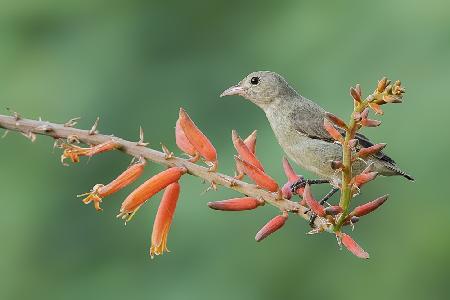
298, 126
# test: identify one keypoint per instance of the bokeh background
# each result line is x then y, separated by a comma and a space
135, 63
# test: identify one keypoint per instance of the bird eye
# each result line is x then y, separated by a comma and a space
254, 80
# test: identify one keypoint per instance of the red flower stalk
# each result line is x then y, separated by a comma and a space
74, 152
184, 144
369, 207
332, 131
312, 203
366, 152
163, 219
259, 177
149, 188
236, 204
352, 246
336, 120
101, 191
198, 139
272, 226
244, 152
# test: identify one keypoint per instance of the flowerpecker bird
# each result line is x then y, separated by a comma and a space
298, 126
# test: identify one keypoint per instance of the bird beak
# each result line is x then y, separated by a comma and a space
234, 90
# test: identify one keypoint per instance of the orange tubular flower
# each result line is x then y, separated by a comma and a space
244, 152
363, 178
163, 219
312, 203
74, 152
259, 177
272, 226
184, 144
101, 191
352, 246
149, 188
236, 204
332, 131
197, 139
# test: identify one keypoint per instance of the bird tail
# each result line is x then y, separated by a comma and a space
407, 176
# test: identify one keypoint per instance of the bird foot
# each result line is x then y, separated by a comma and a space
323, 201
302, 182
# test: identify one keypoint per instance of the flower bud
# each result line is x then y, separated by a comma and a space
366, 152
272, 226
196, 137
184, 144
312, 203
244, 152
370, 123
369, 207
336, 120
363, 178
333, 210
236, 204
376, 108
250, 142
259, 177
332, 131
355, 94
352, 246
382, 85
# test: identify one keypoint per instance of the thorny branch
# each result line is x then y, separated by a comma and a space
31, 128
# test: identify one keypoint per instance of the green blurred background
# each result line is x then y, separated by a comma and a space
135, 63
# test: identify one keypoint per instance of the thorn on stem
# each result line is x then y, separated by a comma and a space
93, 129
141, 138
72, 122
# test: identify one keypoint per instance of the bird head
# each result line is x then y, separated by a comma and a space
262, 88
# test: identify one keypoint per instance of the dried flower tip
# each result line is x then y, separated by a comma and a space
141, 141
183, 142
376, 108
163, 219
236, 204
382, 85
333, 210
149, 188
312, 203
93, 130
197, 139
72, 122
336, 120
259, 177
332, 131
369, 207
101, 191
355, 94
250, 141
352, 246
366, 152
167, 153
272, 226
244, 152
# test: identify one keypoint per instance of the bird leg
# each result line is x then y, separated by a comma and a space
322, 202
302, 182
